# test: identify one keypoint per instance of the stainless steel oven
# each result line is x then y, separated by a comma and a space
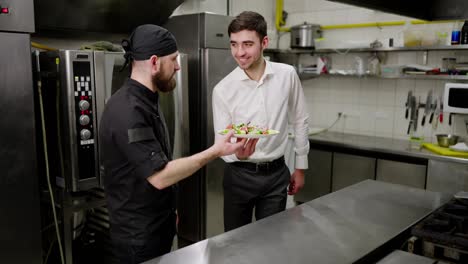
67, 79
76, 85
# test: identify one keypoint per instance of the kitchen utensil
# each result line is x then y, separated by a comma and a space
446, 140
427, 107
436, 113
433, 109
441, 112
304, 35
408, 99
413, 114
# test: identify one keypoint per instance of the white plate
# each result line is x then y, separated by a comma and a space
461, 147
271, 132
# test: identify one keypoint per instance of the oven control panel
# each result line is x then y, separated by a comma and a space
81, 96
84, 115
17, 16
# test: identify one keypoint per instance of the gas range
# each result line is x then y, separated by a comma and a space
443, 235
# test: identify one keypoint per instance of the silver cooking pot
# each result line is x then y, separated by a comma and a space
304, 35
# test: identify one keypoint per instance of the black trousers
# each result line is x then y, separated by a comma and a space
247, 186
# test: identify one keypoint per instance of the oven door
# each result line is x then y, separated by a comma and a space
109, 77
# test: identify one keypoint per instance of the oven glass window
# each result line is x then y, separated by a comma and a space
458, 97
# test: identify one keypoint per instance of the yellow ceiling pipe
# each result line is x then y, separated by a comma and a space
40, 46
279, 21
361, 25
383, 24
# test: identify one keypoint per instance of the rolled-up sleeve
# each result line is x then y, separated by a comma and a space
299, 121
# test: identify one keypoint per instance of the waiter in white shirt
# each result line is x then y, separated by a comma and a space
266, 94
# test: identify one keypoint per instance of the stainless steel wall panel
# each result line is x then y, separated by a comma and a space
20, 18
447, 177
350, 169
317, 177
20, 239
413, 175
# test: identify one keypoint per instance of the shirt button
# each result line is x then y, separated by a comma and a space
152, 153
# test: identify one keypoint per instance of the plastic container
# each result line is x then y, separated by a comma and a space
412, 38
391, 71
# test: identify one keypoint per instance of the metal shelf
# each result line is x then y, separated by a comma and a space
407, 76
321, 51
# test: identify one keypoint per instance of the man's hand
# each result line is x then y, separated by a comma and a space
247, 150
225, 147
296, 182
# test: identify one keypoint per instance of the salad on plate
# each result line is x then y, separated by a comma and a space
243, 130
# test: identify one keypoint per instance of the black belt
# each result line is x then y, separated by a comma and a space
261, 166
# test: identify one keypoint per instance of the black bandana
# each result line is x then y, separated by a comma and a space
148, 40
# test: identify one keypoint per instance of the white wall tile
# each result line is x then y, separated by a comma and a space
368, 91
384, 120
367, 120
405, 58
386, 92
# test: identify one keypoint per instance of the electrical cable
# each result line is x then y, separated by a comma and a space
46, 157
49, 250
326, 129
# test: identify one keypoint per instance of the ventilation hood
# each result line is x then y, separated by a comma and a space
110, 16
423, 9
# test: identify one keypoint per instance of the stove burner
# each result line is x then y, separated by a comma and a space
447, 226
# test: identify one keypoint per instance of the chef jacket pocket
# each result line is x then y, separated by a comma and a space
140, 134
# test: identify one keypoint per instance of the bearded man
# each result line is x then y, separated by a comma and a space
139, 173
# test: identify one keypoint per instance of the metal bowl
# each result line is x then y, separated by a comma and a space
446, 140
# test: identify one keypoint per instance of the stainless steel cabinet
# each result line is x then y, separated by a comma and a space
350, 169
447, 177
317, 177
413, 175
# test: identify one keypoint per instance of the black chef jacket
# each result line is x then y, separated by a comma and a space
133, 146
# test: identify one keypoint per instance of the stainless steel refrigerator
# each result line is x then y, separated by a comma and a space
20, 239
204, 38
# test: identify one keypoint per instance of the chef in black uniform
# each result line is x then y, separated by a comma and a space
139, 175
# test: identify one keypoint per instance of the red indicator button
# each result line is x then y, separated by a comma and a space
5, 10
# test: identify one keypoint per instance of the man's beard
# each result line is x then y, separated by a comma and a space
164, 85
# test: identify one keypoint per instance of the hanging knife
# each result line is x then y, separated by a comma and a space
408, 106
436, 113
433, 109
441, 113
427, 107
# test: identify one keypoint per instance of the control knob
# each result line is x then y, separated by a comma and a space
84, 105
84, 120
85, 134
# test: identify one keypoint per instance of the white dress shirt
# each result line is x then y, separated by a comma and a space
276, 101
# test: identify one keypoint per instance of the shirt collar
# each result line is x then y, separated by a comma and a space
143, 92
242, 76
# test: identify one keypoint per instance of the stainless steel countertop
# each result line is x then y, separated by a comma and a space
340, 227
378, 144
